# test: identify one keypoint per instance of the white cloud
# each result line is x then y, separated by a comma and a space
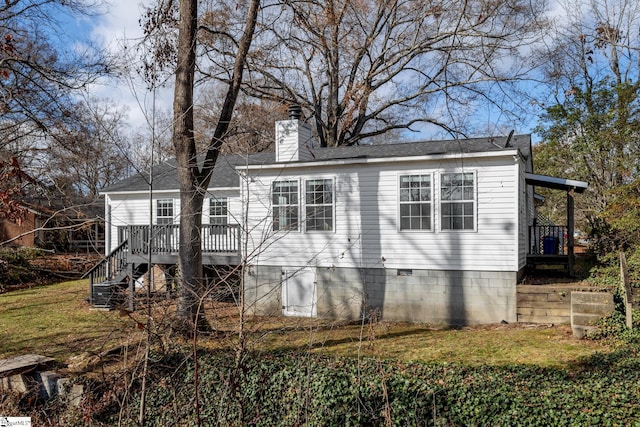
117, 31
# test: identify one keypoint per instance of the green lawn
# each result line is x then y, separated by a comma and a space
56, 321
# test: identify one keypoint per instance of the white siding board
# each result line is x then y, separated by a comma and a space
366, 230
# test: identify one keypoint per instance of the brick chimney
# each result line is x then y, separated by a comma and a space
293, 138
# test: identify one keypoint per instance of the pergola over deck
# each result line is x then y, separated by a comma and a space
571, 187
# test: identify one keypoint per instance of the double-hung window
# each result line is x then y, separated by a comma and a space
319, 204
457, 201
218, 211
285, 204
164, 211
415, 202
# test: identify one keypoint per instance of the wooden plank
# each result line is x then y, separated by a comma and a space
532, 298
544, 289
626, 291
25, 363
543, 312
544, 319
546, 304
587, 308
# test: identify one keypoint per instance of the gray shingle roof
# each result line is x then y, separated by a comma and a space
224, 175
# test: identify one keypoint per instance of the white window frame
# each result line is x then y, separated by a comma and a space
285, 204
323, 204
219, 218
459, 201
166, 207
419, 202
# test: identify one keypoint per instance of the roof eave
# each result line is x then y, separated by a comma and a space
366, 160
556, 183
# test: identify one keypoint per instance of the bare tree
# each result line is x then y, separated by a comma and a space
194, 175
591, 124
251, 129
93, 153
38, 75
364, 68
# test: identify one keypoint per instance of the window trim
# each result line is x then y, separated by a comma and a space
165, 208
333, 203
474, 202
297, 205
225, 206
431, 202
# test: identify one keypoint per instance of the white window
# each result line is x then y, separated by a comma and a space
218, 212
164, 211
285, 204
415, 202
319, 205
457, 201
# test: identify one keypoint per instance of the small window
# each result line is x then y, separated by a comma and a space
319, 205
285, 205
218, 210
164, 211
457, 204
415, 202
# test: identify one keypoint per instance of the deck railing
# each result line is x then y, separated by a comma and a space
547, 239
108, 268
165, 239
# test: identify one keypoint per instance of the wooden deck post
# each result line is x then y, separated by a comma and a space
626, 290
132, 287
570, 232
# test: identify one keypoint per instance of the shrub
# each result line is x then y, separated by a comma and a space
272, 389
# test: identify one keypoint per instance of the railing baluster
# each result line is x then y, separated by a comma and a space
165, 239
556, 235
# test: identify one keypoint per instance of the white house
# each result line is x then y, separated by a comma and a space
437, 231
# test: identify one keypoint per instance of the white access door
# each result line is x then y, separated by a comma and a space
299, 292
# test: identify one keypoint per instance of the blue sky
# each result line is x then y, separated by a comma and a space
118, 25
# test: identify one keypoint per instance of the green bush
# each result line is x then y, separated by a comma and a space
15, 265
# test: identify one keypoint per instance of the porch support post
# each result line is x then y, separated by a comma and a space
570, 226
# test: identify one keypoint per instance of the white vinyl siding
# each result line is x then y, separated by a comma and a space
366, 219
366, 230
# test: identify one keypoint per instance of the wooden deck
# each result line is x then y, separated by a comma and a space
220, 244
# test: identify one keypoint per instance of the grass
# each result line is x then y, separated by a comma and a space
495, 345
56, 321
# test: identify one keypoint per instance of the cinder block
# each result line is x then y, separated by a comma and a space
17, 383
50, 382
70, 395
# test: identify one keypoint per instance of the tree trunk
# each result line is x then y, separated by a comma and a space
194, 180
190, 255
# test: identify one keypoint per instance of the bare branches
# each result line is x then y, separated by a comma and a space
38, 75
362, 68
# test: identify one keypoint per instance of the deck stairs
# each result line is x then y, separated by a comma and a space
108, 280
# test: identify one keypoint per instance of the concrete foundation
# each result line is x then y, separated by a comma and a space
410, 295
